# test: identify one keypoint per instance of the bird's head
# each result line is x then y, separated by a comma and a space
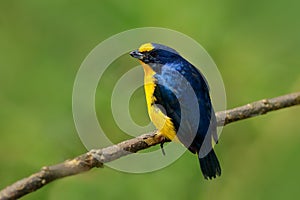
155, 53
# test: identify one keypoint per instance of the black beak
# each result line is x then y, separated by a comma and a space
137, 54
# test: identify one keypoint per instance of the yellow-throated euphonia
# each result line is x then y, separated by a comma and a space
179, 103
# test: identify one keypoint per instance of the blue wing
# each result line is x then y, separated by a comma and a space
191, 111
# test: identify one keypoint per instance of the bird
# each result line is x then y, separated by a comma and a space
179, 103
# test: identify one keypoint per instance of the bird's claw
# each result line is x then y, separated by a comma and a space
162, 142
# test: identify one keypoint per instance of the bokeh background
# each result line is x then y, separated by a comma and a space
255, 44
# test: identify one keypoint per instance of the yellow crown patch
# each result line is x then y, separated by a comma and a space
146, 47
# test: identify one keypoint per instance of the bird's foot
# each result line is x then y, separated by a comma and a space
162, 140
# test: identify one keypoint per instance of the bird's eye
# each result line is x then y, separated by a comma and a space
153, 53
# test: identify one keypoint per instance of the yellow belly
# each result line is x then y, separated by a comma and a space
162, 122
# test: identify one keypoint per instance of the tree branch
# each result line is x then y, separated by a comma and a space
96, 158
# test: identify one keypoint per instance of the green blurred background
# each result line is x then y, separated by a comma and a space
255, 44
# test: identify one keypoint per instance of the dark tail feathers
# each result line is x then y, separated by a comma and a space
210, 165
